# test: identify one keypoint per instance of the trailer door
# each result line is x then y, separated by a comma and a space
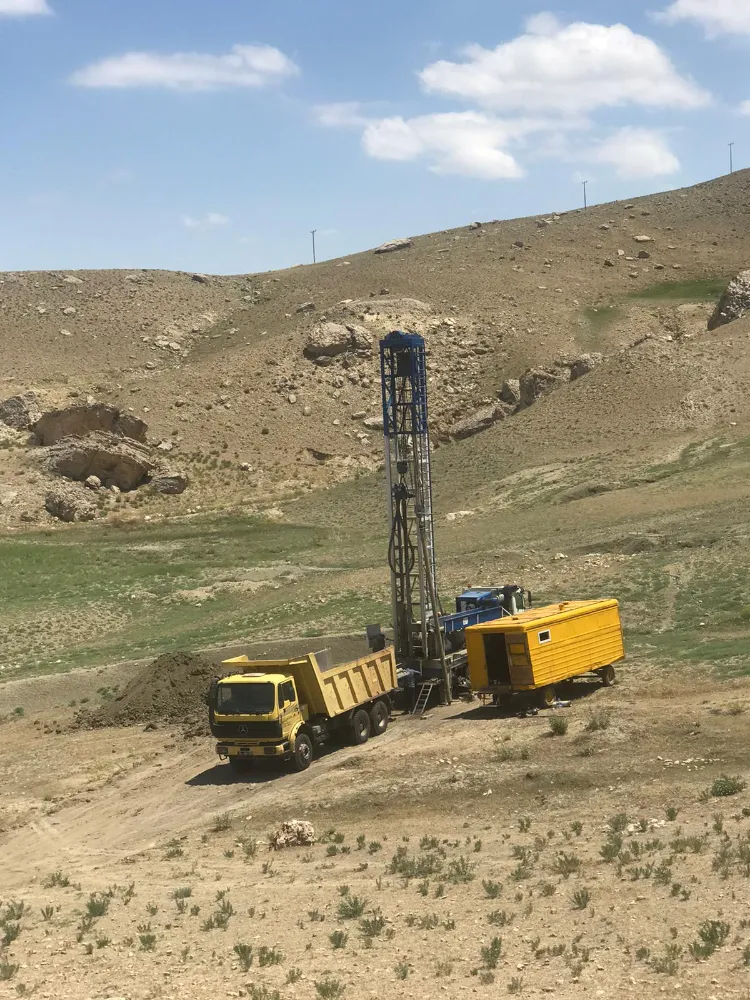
496, 657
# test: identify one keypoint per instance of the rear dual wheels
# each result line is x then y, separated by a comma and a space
361, 727
547, 696
379, 716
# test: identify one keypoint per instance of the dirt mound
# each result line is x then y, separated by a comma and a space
172, 689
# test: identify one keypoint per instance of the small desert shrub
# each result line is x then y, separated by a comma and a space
244, 953
329, 989
352, 907
558, 725
491, 953
581, 899
338, 939
725, 786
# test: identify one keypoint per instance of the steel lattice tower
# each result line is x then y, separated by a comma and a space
411, 552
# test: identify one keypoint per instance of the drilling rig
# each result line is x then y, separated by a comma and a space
429, 644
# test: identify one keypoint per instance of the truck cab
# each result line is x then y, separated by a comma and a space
254, 715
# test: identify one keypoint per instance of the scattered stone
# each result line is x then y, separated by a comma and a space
305, 307
292, 833
246, 467
644, 255
475, 225
70, 279
609, 263
373, 423
70, 311
165, 445
306, 411
202, 279
66, 333
394, 245
291, 398
93, 483
643, 239
511, 391
20, 412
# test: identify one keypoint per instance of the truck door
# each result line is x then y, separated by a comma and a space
288, 706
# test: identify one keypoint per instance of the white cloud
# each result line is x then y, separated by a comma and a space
212, 220
244, 66
469, 143
716, 17
340, 115
744, 108
572, 69
24, 8
636, 153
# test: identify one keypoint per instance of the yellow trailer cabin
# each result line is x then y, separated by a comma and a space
537, 649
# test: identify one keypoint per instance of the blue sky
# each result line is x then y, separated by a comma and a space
213, 136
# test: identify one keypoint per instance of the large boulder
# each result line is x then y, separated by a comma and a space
68, 504
169, 482
479, 421
331, 339
734, 303
88, 418
392, 245
115, 461
20, 412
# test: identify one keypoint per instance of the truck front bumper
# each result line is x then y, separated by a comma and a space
253, 749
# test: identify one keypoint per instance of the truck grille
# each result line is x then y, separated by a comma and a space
247, 730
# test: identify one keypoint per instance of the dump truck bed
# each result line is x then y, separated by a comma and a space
330, 689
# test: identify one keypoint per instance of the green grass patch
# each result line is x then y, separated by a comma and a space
701, 290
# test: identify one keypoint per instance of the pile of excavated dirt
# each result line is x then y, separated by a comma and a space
172, 689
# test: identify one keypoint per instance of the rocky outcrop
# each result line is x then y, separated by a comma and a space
332, 339
734, 303
88, 418
115, 461
539, 382
480, 421
68, 504
394, 245
511, 392
20, 412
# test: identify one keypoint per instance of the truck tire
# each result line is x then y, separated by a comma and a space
360, 728
379, 718
608, 675
303, 752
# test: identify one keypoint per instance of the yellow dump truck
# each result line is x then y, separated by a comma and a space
537, 649
287, 708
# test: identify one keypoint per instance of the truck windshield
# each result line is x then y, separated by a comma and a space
246, 699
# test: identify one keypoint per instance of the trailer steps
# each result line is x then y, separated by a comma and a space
423, 697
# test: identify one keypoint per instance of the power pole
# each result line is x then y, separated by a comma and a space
585, 196
731, 157
312, 233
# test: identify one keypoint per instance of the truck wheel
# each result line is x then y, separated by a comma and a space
608, 675
379, 718
547, 697
360, 727
303, 752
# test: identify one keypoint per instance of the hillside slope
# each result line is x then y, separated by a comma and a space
216, 365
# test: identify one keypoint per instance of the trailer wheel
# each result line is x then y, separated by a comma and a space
608, 675
379, 718
303, 752
360, 727
547, 696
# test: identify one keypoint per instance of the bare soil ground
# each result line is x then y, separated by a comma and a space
591, 857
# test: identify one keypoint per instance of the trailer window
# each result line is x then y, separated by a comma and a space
545, 637
246, 699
